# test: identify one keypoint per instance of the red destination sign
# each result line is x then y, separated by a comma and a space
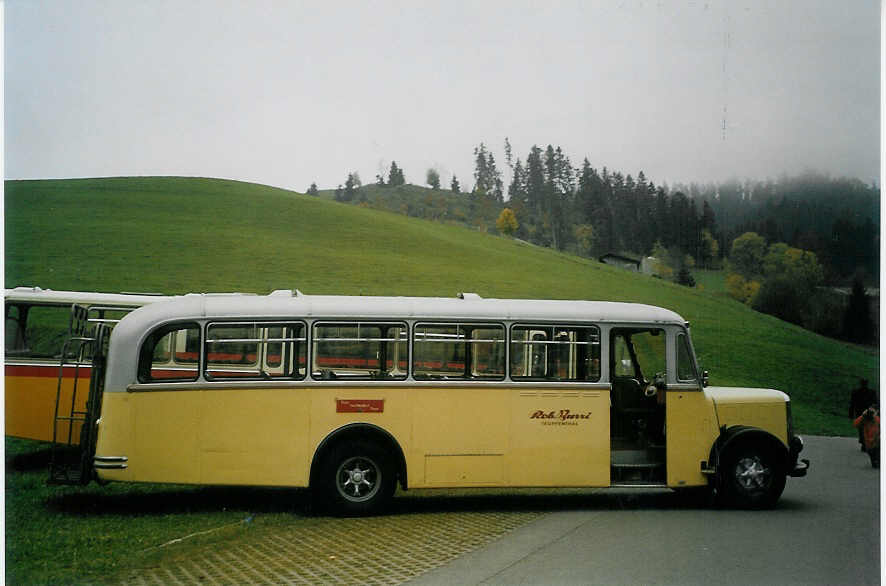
359, 405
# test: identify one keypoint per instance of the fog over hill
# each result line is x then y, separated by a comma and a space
290, 93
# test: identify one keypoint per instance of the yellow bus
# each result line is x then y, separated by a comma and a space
352, 396
37, 326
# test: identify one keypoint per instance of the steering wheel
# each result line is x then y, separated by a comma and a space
658, 384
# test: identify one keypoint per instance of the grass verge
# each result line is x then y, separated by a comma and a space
96, 534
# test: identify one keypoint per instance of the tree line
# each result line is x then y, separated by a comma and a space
592, 211
835, 218
786, 282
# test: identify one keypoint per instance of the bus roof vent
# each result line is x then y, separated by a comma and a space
281, 293
471, 296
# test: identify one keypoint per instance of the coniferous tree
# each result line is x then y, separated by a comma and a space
395, 175
454, 185
535, 195
433, 178
608, 219
517, 197
487, 179
684, 277
509, 155
679, 221
631, 220
584, 194
708, 218
497, 191
559, 185
662, 219
620, 213
693, 236
482, 181
643, 201
651, 195
352, 184
857, 324
592, 201
312, 190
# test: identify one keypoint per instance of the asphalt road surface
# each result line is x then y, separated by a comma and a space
824, 530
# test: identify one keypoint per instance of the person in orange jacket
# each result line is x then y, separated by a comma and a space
869, 424
861, 398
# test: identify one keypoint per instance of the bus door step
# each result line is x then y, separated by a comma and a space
633, 466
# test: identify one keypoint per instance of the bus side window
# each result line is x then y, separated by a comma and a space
285, 350
555, 353
252, 350
649, 347
438, 351
16, 316
359, 351
459, 351
36, 331
622, 363
487, 352
638, 353
685, 365
169, 354
232, 350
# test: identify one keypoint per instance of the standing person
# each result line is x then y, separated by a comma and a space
861, 398
868, 424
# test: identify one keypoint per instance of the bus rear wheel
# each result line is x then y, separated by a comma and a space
752, 478
357, 479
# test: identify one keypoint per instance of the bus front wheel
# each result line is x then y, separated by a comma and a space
358, 479
752, 478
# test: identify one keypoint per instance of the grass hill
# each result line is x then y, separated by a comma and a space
176, 235
423, 202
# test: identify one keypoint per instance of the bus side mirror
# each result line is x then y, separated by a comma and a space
705, 375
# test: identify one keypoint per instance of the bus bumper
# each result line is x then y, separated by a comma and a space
797, 467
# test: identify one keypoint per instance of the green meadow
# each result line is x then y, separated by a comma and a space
178, 235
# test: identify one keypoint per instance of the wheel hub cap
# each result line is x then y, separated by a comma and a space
751, 473
358, 479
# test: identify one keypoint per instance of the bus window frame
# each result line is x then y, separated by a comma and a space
639, 371
20, 346
469, 357
153, 338
327, 374
683, 339
261, 364
532, 326
28, 312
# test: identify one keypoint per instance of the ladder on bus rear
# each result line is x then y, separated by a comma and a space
74, 427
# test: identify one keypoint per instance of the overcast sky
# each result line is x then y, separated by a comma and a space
286, 93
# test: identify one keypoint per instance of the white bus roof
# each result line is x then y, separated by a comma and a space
38, 296
289, 305
130, 332
294, 304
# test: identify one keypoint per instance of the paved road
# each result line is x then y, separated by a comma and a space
825, 530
